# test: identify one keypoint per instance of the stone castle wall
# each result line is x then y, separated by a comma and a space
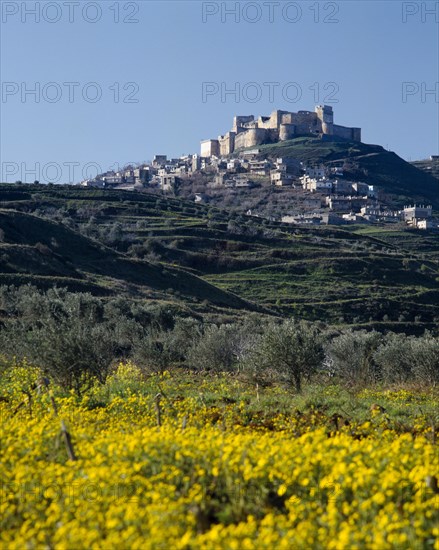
210, 148
239, 121
347, 133
279, 126
251, 138
287, 131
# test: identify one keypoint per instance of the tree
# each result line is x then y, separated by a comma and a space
214, 350
394, 357
157, 349
426, 359
61, 333
289, 352
221, 348
352, 356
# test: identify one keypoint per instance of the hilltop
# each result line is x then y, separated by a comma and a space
211, 261
313, 138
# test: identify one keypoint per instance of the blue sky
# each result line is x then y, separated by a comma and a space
137, 71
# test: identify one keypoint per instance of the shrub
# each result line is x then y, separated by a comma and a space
43, 249
73, 338
63, 335
156, 349
220, 348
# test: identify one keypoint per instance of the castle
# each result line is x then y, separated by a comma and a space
279, 126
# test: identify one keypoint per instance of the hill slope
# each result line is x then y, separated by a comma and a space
430, 166
363, 276
369, 163
45, 253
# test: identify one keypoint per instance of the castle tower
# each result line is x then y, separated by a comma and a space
239, 121
227, 143
275, 119
326, 116
210, 148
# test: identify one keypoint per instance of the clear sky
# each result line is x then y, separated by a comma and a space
118, 82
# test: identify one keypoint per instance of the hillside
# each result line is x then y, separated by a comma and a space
369, 163
140, 244
46, 253
429, 166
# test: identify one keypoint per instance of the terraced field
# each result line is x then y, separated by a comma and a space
363, 276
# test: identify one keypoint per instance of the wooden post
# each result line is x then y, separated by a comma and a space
45, 382
184, 423
157, 409
67, 441
52, 400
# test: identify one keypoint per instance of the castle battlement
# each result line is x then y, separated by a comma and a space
247, 131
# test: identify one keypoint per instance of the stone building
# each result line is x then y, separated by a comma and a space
281, 177
416, 212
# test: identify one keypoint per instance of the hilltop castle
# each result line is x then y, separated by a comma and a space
279, 126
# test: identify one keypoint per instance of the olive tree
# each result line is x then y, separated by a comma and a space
394, 357
426, 359
221, 348
156, 349
62, 333
352, 356
288, 352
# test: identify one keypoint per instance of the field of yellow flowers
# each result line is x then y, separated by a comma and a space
208, 463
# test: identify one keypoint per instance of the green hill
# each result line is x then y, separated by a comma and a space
149, 247
47, 253
405, 182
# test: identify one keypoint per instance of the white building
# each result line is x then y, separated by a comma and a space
93, 183
233, 164
280, 177
426, 224
416, 212
316, 184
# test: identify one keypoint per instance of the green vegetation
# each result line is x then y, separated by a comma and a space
210, 263
430, 166
75, 338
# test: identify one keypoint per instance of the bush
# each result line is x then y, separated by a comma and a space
156, 349
62, 334
74, 338
152, 352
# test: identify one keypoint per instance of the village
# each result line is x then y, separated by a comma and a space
326, 196
321, 194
